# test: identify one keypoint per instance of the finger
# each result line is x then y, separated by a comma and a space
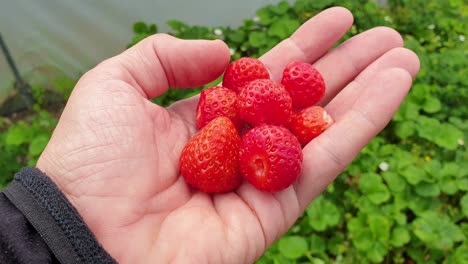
162, 61
395, 58
326, 156
313, 39
344, 63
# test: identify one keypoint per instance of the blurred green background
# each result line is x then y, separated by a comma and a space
403, 199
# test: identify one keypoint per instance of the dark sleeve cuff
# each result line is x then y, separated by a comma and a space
54, 218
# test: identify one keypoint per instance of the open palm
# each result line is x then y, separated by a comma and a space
115, 154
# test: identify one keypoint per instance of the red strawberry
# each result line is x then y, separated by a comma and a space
242, 71
209, 161
304, 83
265, 102
270, 158
215, 102
309, 123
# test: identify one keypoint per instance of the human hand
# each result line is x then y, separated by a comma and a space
115, 155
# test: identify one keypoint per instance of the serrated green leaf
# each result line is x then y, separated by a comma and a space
293, 247
448, 185
407, 111
38, 144
258, 39
363, 240
317, 244
323, 214
371, 184
400, 236
377, 252
426, 189
336, 244
283, 27
405, 129
265, 15
462, 184
395, 182
459, 255
452, 169
414, 175
432, 105
437, 231
17, 134
153, 29
235, 36
444, 135
464, 204
317, 261
140, 27
177, 25
281, 8
380, 227
322, 4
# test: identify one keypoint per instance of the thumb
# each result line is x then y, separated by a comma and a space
162, 61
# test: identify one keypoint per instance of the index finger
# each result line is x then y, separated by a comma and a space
310, 41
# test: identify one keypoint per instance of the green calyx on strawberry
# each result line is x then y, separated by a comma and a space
304, 83
209, 161
270, 158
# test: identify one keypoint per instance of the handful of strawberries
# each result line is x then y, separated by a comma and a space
254, 128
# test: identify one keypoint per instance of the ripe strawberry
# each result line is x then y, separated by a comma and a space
209, 161
309, 123
242, 71
270, 158
265, 102
215, 102
304, 83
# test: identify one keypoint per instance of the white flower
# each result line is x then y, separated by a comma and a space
232, 51
461, 38
218, 32
431, 26
256, 19
461, 142
384, 166
388, 19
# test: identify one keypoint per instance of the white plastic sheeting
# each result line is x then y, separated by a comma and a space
73, 36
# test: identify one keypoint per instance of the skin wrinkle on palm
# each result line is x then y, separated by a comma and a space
124, 200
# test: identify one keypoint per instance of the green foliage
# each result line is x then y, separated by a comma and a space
404, 198
22, 142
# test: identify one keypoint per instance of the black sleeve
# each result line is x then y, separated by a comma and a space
39, 225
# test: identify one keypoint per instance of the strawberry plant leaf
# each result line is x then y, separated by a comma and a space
464, 204
322, 214
317, 244
395, 182
293, 247
371, 185
400, 236
432, 105
427, 189
18, 135
38, 144
437, 231
405, 129
140, 27
414, 175
283, 27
